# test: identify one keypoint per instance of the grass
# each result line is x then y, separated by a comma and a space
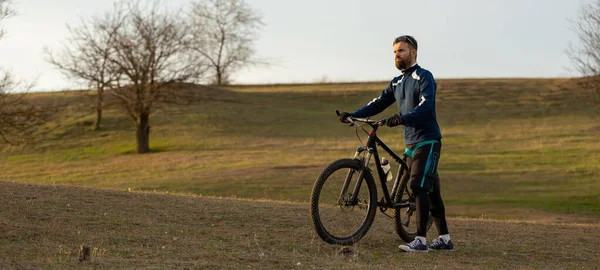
520, 166
44, 226
509, 144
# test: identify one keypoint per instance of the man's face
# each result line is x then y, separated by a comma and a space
404, 55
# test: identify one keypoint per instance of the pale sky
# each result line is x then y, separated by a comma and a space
343, 40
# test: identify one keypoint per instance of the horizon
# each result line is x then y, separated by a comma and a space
383, 82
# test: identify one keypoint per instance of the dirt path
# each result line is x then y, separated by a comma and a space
44, 226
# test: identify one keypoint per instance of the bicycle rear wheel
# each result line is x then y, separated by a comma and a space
405, 217
337, 218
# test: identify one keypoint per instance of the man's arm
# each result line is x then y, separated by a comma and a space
425, 108
378, 104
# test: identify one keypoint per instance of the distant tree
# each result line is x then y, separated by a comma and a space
85, 56
224, 33
17, 116
139, 52
5, 12
586, 55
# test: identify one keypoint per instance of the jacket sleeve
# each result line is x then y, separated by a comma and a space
378, 104
425, 109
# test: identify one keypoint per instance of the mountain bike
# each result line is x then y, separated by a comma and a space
343, 208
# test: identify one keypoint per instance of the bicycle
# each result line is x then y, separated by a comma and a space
349, 198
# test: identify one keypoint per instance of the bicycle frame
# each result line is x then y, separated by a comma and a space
372, 143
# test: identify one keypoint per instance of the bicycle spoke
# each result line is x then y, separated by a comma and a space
343, 202
339, 216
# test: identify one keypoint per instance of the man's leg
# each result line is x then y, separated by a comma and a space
423, 208
420, 164
438, 211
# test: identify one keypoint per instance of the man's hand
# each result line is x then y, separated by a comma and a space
393, 121
343, 117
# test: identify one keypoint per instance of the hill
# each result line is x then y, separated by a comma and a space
513, 148
43, 226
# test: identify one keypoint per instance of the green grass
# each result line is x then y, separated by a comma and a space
508, 143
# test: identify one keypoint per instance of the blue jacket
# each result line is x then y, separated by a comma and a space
415, 92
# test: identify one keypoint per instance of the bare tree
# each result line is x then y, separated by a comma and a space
150, 53
85, 55
586, 55
5, 12
17, 116
224, 32
139, 53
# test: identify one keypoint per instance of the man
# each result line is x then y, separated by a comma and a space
414, 91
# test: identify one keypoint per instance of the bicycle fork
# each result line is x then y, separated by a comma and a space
365, 162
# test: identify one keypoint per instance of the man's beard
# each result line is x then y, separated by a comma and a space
400, 64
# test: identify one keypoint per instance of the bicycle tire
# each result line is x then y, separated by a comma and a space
320, 204
406, 227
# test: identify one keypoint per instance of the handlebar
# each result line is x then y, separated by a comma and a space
352, 119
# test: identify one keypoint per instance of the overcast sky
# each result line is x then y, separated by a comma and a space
343, 40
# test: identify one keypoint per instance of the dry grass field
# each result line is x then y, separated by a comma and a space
44, 227
520, 174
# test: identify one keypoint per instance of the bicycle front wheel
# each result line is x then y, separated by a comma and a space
338, 216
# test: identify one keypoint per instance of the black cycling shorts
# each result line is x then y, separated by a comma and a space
422, 159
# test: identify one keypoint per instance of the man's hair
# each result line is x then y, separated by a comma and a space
411, 41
